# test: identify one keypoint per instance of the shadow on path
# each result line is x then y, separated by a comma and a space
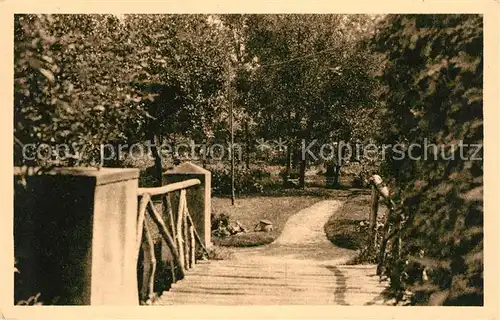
341, 288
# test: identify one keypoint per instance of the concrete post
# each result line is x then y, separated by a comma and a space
76, 238
198, 197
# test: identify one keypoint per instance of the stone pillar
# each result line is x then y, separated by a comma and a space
76, 236
198, 197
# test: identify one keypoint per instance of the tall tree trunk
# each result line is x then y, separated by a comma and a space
303, 157
330, 174
158, 168
247, 145
288, 148
115, 161
204, 157
336, 177
303, 167
231, 125
338, 165
288, 162
296, 158
232, 156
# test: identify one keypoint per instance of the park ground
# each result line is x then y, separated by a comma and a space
345, 228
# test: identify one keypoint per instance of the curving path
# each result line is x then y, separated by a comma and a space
300, 268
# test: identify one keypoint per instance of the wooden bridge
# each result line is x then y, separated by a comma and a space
277, 283
132, 242
300, 268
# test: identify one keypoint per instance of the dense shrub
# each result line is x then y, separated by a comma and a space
292, 174
433, 75
245, 180
147, 179
90, 79
219, 225
56, 102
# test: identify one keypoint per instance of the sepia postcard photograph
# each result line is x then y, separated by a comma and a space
244, 160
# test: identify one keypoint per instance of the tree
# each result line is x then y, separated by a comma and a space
72, 82
187, 55
311, 74
432, 75
94, 79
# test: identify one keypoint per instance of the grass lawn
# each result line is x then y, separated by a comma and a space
249, 210
343, 228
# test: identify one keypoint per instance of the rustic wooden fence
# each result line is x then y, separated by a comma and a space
178, 232
391, 233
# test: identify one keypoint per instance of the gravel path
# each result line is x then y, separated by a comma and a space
307, 226
303, 239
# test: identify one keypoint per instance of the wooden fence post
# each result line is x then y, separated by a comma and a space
168, 205
382, 191
167, 236
148, 282
180, 241
185, 236
193, 246
183, 246
373, 216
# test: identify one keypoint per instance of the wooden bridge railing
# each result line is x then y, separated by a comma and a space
391, 228
179, 232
